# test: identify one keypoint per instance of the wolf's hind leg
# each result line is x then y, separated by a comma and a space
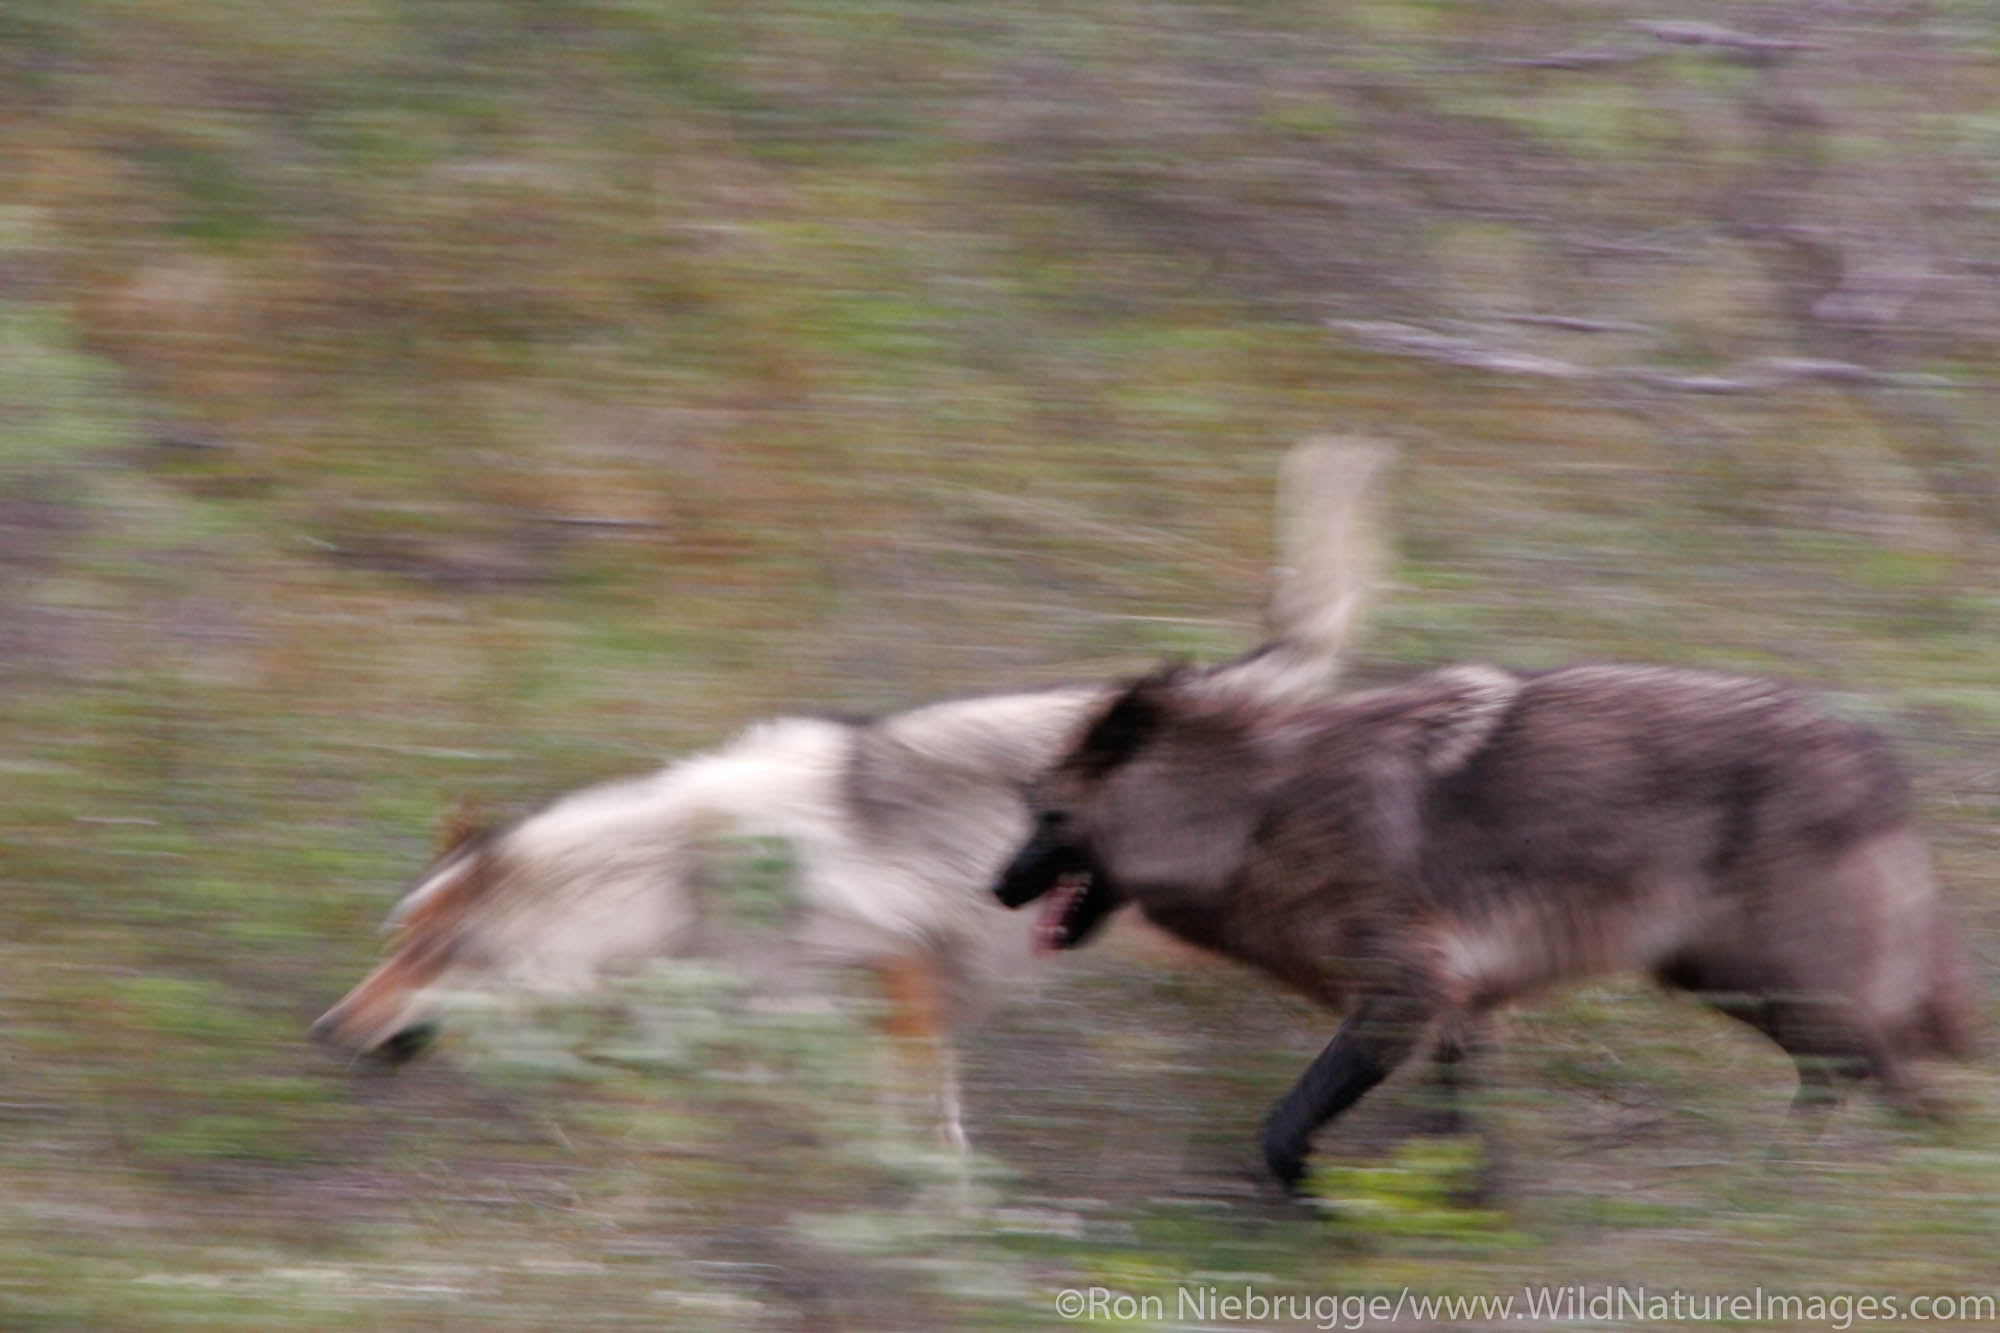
1457, 1043
1829, 1050
1377, 1037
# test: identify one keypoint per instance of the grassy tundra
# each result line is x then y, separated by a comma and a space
405, 403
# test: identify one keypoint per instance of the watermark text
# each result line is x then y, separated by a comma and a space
1206, 1303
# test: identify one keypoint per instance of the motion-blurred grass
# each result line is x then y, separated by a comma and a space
401, 403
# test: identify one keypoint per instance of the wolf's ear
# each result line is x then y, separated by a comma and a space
1130, 720
465, 821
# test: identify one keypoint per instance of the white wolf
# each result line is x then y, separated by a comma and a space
897, 827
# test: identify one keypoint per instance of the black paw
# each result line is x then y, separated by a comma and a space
1286, 1159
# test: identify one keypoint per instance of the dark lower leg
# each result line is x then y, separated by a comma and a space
1379, 1036
1830, 1057
1444, 1096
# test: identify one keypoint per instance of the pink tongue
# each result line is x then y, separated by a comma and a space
1049, 921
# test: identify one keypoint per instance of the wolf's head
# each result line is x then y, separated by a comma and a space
1132, 811
550, 902
389, 1015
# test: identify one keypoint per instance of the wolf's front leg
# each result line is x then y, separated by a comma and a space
1378, 1036
916, 1021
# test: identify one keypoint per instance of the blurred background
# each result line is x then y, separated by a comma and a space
401, 402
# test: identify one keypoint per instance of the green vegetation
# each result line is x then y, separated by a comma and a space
404, 402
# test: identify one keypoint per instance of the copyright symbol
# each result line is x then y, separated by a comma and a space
1069, 1302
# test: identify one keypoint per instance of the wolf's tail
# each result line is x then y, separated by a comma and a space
1329, 556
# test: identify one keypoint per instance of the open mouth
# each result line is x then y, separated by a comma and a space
1073, 910
1055, 924
1074, 897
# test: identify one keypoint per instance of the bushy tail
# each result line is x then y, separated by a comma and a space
1329, 556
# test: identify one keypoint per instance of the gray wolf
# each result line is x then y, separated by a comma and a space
1422, 854
896, 829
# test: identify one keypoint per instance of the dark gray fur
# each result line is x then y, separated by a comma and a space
1422, 854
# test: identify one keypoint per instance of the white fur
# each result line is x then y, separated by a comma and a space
612, 874
897, 829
